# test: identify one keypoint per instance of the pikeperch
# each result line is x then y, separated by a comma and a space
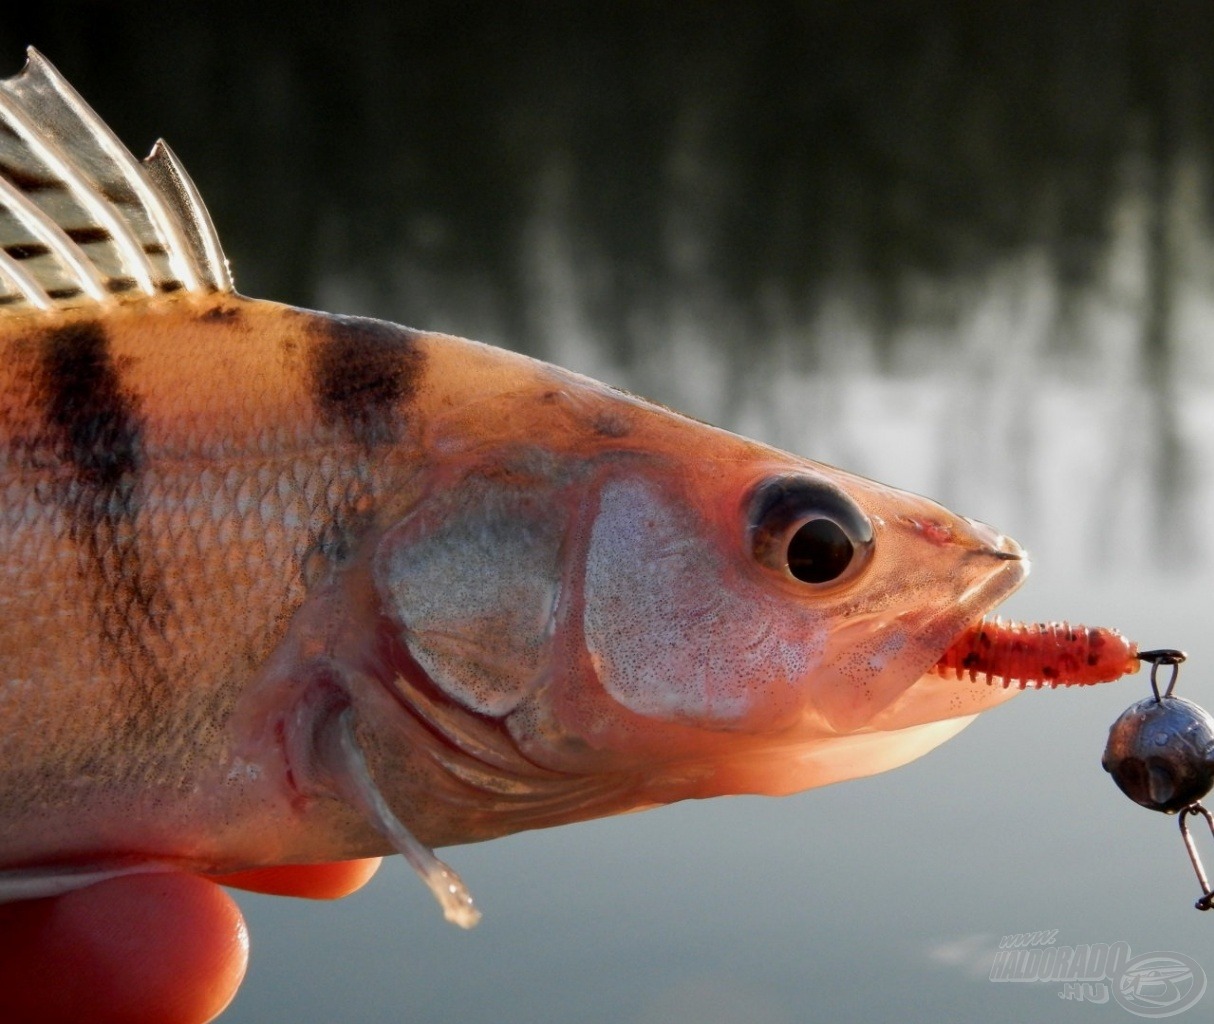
282, 586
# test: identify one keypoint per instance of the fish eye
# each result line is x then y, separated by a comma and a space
809, 530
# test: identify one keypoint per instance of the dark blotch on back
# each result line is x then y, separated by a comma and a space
363, 372
610, 424
221, 314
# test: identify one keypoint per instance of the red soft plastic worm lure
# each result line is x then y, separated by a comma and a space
1039, 654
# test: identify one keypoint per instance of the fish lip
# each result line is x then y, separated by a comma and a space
976, 603
993, 544
935, 634
973, 604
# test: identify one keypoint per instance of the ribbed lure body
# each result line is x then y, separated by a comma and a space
1040, 654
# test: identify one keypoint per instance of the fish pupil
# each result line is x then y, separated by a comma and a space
819, 551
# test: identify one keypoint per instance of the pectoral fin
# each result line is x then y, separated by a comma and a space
348, 775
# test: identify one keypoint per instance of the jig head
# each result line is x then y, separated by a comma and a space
1161, 755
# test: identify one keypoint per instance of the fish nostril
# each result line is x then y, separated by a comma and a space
931, 530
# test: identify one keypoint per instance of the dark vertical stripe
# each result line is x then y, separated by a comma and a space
363, 374
94, 432
93, 422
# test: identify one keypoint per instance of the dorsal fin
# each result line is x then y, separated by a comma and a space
81, 220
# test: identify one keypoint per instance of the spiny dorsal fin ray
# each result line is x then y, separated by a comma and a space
81, 220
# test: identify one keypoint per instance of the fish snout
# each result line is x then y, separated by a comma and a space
992, 542
973, 535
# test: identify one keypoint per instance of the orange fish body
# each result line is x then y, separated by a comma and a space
286, 587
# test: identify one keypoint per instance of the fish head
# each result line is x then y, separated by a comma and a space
787, 616
676, 609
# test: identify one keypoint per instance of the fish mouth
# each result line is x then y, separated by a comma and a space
861, 724
935, 695
909, 692
949, 626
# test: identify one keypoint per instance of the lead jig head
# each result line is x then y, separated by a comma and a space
1161, 750
1161, 755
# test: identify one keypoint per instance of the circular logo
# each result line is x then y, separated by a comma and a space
1160, 984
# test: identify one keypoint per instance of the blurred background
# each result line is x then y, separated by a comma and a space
964, 248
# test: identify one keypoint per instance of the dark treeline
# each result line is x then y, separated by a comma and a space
753, 159
800, 141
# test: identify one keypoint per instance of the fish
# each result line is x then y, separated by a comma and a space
284, 586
